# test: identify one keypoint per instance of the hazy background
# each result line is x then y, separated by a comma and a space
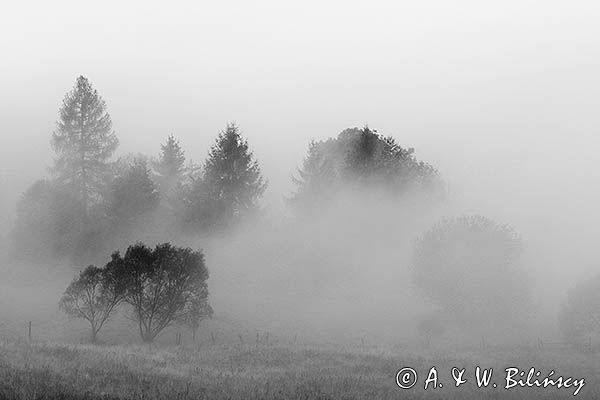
501, 97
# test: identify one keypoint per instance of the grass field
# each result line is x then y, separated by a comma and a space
44, 370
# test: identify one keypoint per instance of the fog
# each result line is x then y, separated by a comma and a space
502, 99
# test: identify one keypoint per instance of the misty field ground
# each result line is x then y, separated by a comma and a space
46, 370
227, 362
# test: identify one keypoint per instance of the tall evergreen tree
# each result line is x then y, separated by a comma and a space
232, 184
84, 142
315, 179
170, 165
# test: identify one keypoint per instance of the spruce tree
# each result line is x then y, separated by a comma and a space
84, 142
232, 183
170, 166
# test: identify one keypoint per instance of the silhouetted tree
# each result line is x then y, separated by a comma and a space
84, 141
470, 268
164, 285
93, 296
231, 184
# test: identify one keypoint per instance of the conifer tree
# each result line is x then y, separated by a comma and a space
84, 142
170, 166
231, 184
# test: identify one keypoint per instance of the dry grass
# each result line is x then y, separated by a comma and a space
228, 371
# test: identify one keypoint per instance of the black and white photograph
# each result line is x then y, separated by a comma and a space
299, 200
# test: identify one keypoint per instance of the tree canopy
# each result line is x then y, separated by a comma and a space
163, 285
470, 267
360, 158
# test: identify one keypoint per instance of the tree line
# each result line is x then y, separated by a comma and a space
92, 203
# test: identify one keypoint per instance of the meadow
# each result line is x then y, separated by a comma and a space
49, 370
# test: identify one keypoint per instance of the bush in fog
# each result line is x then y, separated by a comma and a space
93, 296
359, 158
164, 285
470, 268
580, 313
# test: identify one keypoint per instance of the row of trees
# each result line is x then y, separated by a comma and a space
92, 203
162, 286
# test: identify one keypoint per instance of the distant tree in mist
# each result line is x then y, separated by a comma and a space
579, 316
84, 142
93, 296
170, 167
360, 158
48, 222
316, 179
164, 285
231, 183
132, 195
470, 268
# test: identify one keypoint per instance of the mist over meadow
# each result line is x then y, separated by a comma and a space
421, 175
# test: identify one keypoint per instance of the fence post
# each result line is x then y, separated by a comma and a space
29, 331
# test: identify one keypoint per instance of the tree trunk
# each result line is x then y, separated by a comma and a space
94, 335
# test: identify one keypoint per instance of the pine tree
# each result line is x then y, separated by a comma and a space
232, 182
84, 142
316, 178
170, 166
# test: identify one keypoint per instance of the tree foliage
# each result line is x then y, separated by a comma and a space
84, 142
360, 158
231, 184
92, 296
48, 222
132, 194
169, 168
470, 268
164, 285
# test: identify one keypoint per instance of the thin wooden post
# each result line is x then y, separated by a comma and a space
29, 331
212, 336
